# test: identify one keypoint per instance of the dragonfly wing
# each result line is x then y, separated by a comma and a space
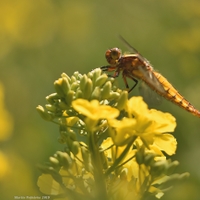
150, 88
131, 49
149, 96
150, 79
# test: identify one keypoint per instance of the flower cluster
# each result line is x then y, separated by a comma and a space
125, 148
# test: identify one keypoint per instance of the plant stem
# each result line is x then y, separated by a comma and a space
100, 185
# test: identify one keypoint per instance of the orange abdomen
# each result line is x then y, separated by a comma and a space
174, 96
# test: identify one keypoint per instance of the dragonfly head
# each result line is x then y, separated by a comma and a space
113, 55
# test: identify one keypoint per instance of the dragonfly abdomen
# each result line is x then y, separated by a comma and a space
174, 96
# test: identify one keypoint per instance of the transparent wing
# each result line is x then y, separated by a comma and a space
149, 95
150, 87
131, 49
151, 80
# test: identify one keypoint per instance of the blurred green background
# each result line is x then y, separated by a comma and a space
41, 39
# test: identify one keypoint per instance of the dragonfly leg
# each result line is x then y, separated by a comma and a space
110, 69
126, 83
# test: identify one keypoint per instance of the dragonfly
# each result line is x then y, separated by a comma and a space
135, 67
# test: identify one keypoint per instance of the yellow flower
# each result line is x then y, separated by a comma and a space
147, 124
94, 111
165, 142
123, 130
149, 120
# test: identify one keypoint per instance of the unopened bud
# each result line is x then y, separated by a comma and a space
44, 114
65, 86
64, 159
105, 93
75, 147
101, 80
121, 102
58, 87
96, 94
87, 89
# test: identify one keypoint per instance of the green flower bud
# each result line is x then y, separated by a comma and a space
75, 85
73, 135
83, 82
73, 79
114, 96
123, 98
96, 94
112, 79
171, 167
64, 159
77, 75
58, 87
96, 73
75, 147
54, 161
105, 91
64, 75
62, 105
87, 89
69, 97
65, 86
51, 108
45, 115
79, 94
101, 80
90, 75
52, 98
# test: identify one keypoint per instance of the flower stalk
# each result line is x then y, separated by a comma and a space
113, 147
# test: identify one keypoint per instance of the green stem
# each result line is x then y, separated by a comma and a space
100, 185
121, 157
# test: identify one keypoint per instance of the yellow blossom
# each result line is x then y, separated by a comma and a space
94, 110
150, 120
148, 124
166, 142
123, 130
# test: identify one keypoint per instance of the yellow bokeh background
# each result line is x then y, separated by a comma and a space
41, 39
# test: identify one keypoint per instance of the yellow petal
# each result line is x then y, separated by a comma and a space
122, 130
137, 106
94, 110
166, 142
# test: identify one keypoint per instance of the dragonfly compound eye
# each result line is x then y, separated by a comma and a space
113, 55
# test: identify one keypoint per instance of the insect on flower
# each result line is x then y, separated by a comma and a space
135, 67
